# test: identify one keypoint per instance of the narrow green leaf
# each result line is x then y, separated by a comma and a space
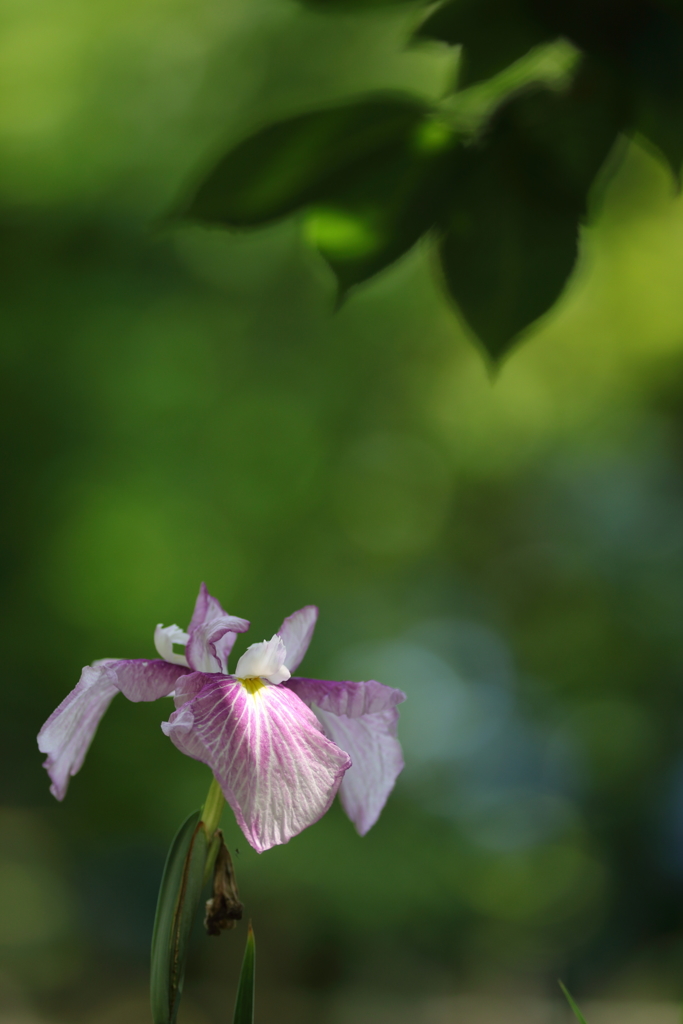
179, 895
244, 1003
493, 34
576, 1011
511, 234
289, 164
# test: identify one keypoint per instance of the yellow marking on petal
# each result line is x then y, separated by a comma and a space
252, 684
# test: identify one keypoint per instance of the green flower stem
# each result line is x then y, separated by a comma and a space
212, 809
212, 853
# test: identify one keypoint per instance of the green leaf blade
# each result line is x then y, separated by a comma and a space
493, 34
288, 165
368, 221
244, 1003
507, 258
641, 43
658, 85
179, 895
511, 235
575, 1010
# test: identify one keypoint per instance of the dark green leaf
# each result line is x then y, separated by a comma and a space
368, 220
641, 42
572, 132
605, 28
493, 33
360, 5
576, 1011
179, 895
244, 1004
289, 164
512, 231
658, 85
509, 248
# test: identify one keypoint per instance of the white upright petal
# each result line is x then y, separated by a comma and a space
264, 661
165, 637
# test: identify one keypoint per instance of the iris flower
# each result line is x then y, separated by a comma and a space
280, 746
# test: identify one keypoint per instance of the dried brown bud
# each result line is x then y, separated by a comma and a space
224, 908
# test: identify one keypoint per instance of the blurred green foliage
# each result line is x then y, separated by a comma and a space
558, 87
182, 404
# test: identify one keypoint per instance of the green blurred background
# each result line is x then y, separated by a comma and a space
182, 404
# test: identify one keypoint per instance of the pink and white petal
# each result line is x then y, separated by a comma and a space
377, 761
212, 634
346, 698
190, 685
69, 730
206, 608
141, 680
277, 769
297, 631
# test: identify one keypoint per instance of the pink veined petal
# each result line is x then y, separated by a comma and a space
296, 631
140, 679
212, 634
277, 769
361, 718
346, 698
377, 761
190, 685
69, 730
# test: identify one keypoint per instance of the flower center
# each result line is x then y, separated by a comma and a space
252, 684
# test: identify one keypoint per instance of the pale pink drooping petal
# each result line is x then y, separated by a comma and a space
371, 742
361, 718
296, 631
346, 698
277, 769
265, 660
212, 634
69, 730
